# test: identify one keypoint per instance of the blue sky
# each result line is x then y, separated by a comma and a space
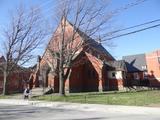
141, 42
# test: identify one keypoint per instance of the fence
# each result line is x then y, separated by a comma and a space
138, 98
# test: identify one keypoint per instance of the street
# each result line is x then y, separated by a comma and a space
28, 112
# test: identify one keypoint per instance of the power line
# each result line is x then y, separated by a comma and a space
135, 26
115, 11
127, 6
133, 32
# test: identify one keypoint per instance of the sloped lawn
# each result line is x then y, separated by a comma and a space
141, 98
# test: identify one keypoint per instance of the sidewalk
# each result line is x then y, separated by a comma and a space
84, 107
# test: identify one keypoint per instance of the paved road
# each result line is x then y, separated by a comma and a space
27, 112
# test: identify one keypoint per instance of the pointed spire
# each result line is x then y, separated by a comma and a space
64, 19
99, 40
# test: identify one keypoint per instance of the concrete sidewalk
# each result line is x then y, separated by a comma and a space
85, 107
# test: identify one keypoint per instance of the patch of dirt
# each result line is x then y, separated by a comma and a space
153, 105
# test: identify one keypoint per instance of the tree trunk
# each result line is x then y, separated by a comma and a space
5, 83
61, 77
61, 84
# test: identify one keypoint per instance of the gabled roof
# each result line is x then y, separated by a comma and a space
116, 65
90, 42
93, 44
135, 63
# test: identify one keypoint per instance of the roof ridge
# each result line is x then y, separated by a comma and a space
80, 32
92, 42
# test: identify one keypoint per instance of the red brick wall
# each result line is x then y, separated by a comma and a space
53, 82
97, 64
130, 81
115, 84
86, 75
56, 39
130, 76
15, 82
76, 79
153, 66
91, 76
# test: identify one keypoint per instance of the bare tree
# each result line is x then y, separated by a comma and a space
23, 35
89, 16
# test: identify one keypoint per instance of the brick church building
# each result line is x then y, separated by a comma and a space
94, 69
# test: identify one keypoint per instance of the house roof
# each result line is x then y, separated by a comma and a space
99, 47
116, 65
91, 42
135, 63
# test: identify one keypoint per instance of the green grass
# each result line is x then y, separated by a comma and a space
4, 97
140, 98
12, 96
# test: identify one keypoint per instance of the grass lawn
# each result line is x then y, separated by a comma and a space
12, 96
141, 98
4, 97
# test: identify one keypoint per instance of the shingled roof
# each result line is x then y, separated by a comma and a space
88, 40
116, 65
91, 42
135, 63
